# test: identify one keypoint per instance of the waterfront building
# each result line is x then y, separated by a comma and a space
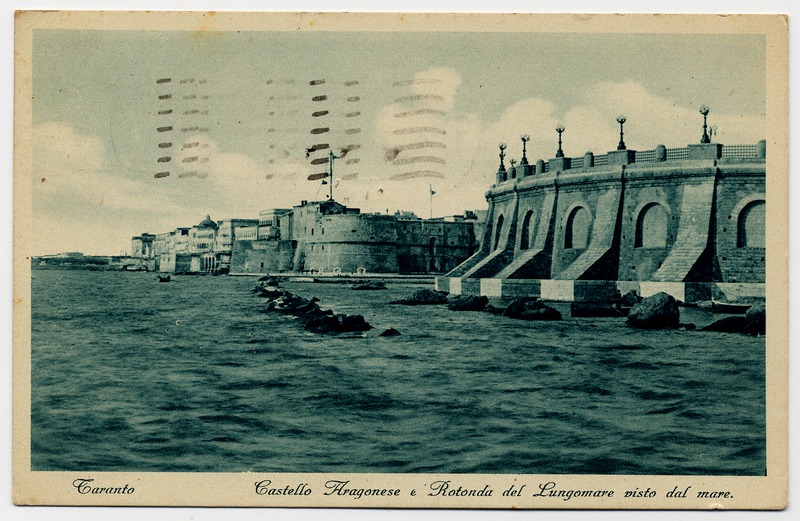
226, 235
687, 221
269, 223
142, 245
201, 245
316, 237
163, 251
329, 237
246, 233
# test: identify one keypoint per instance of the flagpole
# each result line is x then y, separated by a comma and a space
430, 191
331, 157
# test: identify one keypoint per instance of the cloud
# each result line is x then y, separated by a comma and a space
472, 153
438, 82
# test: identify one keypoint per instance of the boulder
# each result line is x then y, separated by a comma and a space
658, 311
494, 310
518, 306
266, 280
630, 299
390, 332
531, 309
322, 324
756, 318
351, 323
467, 303
423, 297
732, 324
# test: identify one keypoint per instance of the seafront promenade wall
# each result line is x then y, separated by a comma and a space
689, 221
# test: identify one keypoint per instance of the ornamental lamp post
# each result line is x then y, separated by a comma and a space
525, 138
621, 120
704, 110
560, 128
502, 155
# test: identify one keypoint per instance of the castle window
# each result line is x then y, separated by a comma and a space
498, 230
576, 235
751, 226
525, 241
651, 227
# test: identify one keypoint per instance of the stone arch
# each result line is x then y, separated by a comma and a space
498, 230
576, 231
526, 233
751, 225
652, 226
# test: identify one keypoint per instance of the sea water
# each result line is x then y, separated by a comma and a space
129, 374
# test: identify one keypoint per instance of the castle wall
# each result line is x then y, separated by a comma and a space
261, 256
347, 243
433, 246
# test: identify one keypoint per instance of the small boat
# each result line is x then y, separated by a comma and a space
164, 279
729, 307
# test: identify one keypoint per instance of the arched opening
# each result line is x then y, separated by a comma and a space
525, 236
576, 235
751, 228
651, 227
498, 230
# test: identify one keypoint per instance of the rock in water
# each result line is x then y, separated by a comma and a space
756, 318
467, 303
531, 309
659, 311
518, 306
351, 323
390, 332
423, 297
734, 324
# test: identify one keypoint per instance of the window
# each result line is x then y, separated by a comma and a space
651, 227
576, 235
751, 230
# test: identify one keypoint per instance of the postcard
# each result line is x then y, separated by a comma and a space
483, 261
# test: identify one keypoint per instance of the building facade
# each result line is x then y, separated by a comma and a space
688, 221
314, 237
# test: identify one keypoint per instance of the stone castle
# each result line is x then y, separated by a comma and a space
687, 221
314, 237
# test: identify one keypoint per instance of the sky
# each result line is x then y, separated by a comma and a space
251, 113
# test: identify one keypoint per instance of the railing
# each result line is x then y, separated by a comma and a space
676, 154
739, 151
672, 154
645, 156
